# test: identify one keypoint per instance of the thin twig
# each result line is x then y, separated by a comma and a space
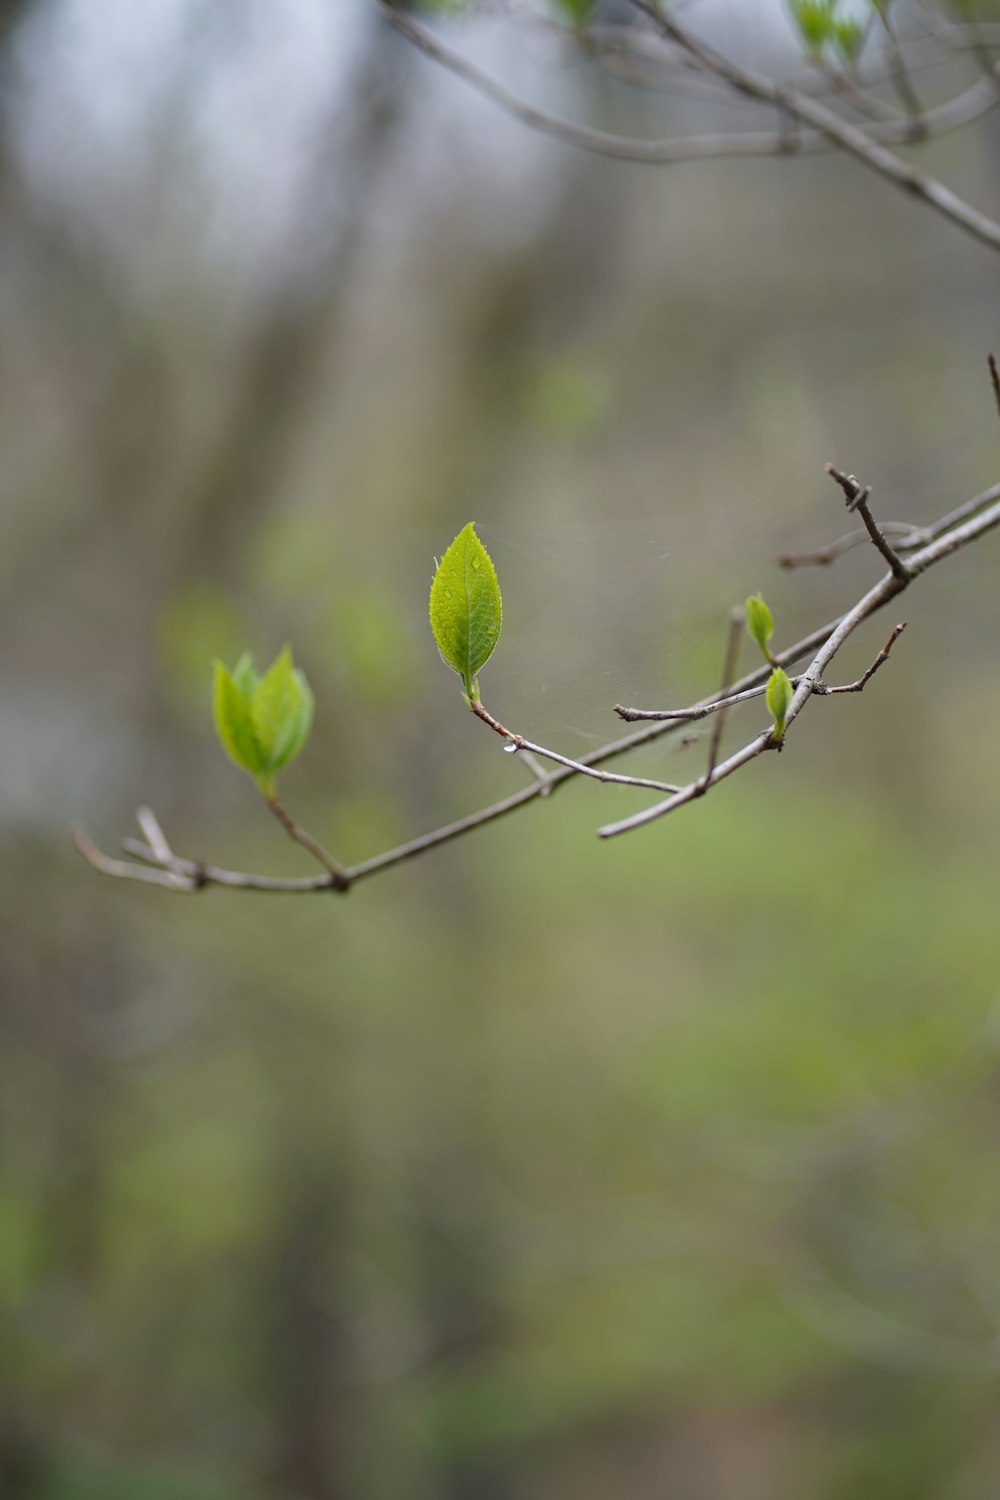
516, 742
736, 624
811, 681
721, 705
901, 79
910, 536
859, 686
866, 103
696, 711
858, 143
123, 869
963, 512
995, 379
975, 36
339, 877
534, 765
920, 535
830, 131
856, 496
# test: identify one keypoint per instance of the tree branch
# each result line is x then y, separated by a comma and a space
965, 524
811, 681
517, 742
339, 878
952, 115
863, 146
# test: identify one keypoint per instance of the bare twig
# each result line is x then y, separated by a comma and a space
339, 877
909, 536
995, 379
535, 766
963, 512
862, 99
856, 495
125, 869
862, 682
157, 839
811, 681
955, 113
517, 742
721, 705
860, 144
696, 711
736, 623
901, 79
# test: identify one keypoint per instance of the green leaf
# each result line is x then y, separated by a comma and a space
576, 11
233, 721
816, 22
245, 677
760, 624
282, 709
779, 701
263, 722
850, 38
465, 608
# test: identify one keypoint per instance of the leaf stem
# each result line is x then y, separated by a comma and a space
340, 879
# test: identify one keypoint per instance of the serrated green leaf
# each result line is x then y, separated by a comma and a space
466, 610
760, 624
233, 720
779, 701
281, 711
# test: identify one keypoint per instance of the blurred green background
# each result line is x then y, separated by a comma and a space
539, 1167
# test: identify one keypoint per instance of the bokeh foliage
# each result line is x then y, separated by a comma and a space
538, 1168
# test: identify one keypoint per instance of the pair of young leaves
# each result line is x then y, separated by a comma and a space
823, 25
264, 721
779, 689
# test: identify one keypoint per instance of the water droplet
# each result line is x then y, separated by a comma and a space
512, 747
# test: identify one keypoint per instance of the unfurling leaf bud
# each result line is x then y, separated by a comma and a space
263, 722
779, 701
760, 624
